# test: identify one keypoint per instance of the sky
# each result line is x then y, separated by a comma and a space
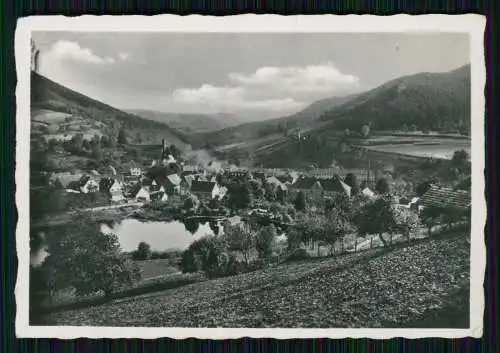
254, 76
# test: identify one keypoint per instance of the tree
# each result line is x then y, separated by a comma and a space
339, 203
86, 145
459, 164
376, 217
88, 260
264, 241
208, 254
382, 186
189, 203
143, 251
97, 152
241, 239
335, 229
430, 217
122, 138
406, 221
351, 180
450, 215
270, 192
105, 141
191, 225
300, 201
423, 187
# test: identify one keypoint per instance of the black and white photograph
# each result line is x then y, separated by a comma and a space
237, 179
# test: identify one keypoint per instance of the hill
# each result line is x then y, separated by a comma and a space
68, 112
420, 285
188, 123
260, 129
426, 101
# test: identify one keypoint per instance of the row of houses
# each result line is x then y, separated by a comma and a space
142, 188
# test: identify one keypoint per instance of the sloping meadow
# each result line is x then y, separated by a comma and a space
398, 287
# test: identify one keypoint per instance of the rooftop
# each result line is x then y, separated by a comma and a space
445, 197
202, 186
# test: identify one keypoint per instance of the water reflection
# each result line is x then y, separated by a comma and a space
160, 236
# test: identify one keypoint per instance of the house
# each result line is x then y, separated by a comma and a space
113, 188
135, 171
238, 174
86, 184
368, 193
187, 180
157, 193
311, 187
333, 186
444, 197
275, 182
294, 176
409, 203
172, 184
140, 193
259, 176
285, 179
207, 190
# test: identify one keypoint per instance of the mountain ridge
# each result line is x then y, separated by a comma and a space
429, 101
50, 96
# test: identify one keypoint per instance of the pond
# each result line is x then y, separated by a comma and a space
160, 236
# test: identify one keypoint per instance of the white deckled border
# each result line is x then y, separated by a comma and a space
472, 24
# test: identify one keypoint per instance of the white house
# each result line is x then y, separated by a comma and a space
207, 190
135, 171
157, 193
368, 193
141, 194
113, 187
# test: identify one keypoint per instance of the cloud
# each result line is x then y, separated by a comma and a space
229, 98
273, 89
63, 50
322, 78
124, 56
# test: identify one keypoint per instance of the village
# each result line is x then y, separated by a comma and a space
171, 181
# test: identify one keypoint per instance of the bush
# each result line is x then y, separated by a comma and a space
208, 254
297, 255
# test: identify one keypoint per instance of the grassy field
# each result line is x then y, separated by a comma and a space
151, 269
399, 287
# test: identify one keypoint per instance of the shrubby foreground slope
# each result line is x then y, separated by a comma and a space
400, 287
